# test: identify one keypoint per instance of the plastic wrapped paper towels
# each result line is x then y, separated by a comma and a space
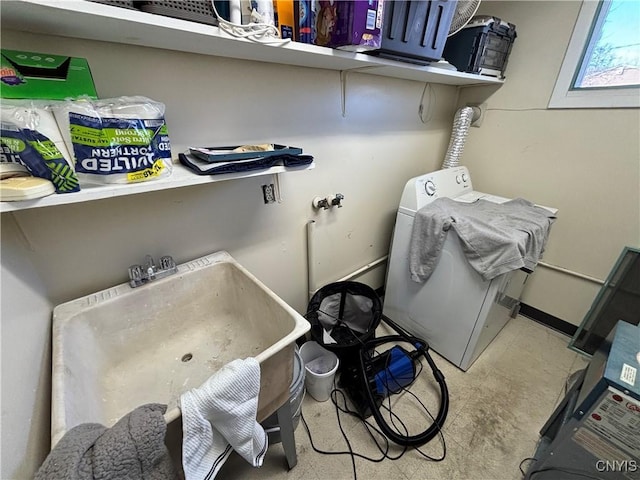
116, 140
30, 136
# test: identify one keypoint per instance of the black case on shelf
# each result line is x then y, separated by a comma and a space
415, 31
482, 47
199, 11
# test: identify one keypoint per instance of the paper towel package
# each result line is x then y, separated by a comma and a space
116, 140
26, 75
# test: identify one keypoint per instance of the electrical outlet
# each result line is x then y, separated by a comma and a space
268, 193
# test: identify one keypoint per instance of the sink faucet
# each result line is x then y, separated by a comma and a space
141, 274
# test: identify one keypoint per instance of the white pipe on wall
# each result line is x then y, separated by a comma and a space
571, 272
311, 258
366, 268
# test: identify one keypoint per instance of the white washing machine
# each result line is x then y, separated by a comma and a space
456, 311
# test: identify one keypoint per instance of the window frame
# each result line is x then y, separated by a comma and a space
563, 96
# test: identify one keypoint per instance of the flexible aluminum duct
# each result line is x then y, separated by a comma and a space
461, 124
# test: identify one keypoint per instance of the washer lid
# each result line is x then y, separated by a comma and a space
474, 195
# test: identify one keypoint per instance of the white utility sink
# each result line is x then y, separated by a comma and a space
123, 347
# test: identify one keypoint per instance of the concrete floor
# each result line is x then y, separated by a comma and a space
496, 410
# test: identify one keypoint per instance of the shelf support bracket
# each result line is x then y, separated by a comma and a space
276, 187
343, 86
22, 234
343, 92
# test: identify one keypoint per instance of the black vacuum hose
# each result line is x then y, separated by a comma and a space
436, 426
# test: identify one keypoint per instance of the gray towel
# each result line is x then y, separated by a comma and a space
132, 449
495, 238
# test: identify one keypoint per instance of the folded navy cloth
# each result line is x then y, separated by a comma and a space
296, 160
201, 167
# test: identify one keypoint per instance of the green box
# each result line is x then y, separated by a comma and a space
44, 76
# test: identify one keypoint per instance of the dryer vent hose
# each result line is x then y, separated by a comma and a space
461, 124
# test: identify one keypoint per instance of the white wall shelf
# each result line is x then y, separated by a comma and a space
94, 21
180, 177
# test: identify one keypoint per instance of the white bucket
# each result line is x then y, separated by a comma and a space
296, 390
320, 369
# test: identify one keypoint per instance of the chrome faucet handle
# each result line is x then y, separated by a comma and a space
167, 263
136, 275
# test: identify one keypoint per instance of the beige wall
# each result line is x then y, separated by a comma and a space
586, 162
55, 254
583, 162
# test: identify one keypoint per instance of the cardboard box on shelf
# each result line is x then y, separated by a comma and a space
349, 25
31, 75
285, 19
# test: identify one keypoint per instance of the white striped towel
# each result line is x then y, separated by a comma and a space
220, 416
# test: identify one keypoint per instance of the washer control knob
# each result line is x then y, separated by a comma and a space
430, 188
458, 180
464, 177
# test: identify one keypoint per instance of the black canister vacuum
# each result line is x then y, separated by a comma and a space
344, 317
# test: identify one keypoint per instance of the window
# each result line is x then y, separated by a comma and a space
601, 68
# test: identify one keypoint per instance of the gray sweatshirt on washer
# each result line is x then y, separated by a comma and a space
495, 238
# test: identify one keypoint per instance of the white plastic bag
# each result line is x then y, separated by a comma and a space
30, 136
